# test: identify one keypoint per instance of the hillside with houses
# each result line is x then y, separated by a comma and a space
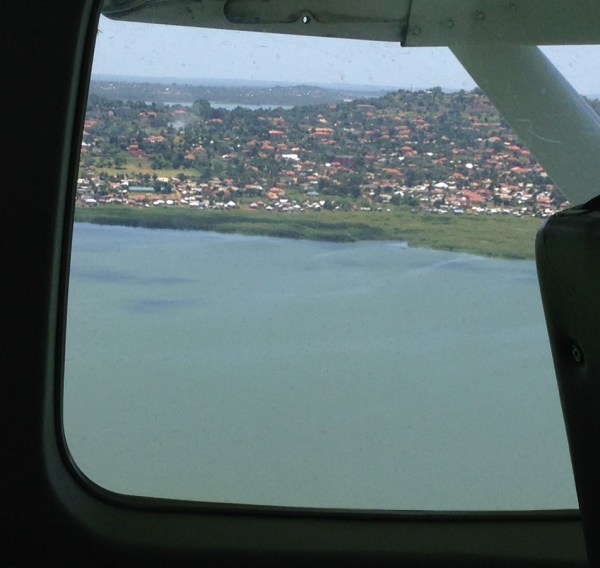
432, 151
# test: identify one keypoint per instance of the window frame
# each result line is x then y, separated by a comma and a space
51, 512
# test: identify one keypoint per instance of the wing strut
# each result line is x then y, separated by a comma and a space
551, 118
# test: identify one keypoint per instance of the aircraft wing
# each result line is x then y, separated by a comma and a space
413, 23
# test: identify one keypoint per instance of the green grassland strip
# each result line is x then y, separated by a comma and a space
497, 236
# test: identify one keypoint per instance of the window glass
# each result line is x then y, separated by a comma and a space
302, 275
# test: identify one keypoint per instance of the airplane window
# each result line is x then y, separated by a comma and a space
302, 275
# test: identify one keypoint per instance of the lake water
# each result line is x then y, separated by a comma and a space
258, 370
227, 106
232, 106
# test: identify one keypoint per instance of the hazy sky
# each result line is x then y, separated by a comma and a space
195, 53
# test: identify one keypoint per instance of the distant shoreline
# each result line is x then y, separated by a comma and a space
182, 81
230, 93
500, 237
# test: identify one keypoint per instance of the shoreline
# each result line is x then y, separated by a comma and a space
499, 237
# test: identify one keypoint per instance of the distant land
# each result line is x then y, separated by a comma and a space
284, 95
368, 88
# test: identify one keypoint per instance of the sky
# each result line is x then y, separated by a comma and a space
182, 53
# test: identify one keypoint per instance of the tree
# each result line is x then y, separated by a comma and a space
201, 107
162, 187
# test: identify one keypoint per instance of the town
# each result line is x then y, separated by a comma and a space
432, 151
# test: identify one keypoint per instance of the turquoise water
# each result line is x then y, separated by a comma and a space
257, 370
